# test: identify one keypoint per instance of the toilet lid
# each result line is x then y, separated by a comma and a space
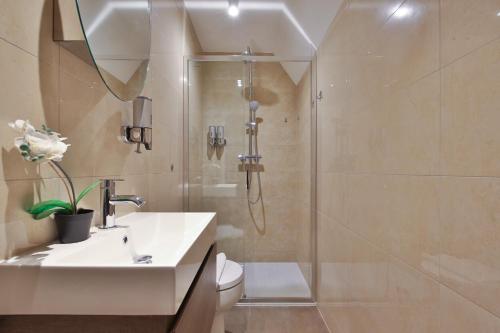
229, 273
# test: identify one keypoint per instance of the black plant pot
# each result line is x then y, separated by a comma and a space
74, 228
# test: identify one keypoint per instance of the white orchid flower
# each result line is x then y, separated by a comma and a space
38, 145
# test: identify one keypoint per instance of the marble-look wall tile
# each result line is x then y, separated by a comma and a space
459, 315
470, 218
470, 103
466, 26
399, 213
18, 86
335, 258
407, 44
407, 162
398, 133
18, 231
165, 192
352, 30
28, 25
368, 291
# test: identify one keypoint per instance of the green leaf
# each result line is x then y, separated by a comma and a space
24, 147
86, 191
49, 212
47, 129
44, 205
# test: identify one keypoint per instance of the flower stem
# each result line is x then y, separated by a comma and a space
72, 196
66, 185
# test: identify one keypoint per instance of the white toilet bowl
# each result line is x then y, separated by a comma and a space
229, 289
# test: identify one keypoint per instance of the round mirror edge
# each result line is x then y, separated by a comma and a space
139, 93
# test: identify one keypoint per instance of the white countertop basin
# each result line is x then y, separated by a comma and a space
99, 276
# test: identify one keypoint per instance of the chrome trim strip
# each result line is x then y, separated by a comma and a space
276, 301
314, 173
241, 58
270, 304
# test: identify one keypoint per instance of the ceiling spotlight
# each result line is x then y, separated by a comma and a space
233, 10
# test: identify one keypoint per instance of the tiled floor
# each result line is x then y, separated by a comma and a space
264, 319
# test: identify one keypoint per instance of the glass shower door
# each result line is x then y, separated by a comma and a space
260, 191
215, 100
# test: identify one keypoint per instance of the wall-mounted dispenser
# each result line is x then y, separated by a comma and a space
215, 141
221, 140
141, 131
212, 136
216, 137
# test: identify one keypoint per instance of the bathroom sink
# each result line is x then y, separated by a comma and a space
143, 267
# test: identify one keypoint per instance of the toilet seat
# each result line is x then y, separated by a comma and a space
229, 273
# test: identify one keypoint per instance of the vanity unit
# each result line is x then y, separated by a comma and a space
154, 272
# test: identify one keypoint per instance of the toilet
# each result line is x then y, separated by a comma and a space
229, 289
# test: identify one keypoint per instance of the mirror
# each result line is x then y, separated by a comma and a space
118, 35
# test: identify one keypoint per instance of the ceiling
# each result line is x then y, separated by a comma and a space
286, 28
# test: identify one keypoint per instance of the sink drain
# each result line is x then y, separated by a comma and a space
137, 258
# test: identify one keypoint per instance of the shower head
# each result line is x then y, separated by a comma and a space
254, 105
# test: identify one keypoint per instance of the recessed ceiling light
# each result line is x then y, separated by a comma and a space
498, 14
233, 10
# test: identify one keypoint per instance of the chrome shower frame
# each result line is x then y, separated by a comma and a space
314, 126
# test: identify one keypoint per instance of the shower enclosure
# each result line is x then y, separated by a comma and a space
250, 157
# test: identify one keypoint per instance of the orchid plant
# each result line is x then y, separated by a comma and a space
46, 146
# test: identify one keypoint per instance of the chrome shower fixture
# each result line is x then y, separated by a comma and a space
254, 105
250, 161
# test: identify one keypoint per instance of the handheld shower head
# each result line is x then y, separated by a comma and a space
254, 105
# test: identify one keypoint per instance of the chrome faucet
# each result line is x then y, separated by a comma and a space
109, 200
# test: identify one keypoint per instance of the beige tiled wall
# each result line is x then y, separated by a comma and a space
408, 160
173, 38
46, 84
